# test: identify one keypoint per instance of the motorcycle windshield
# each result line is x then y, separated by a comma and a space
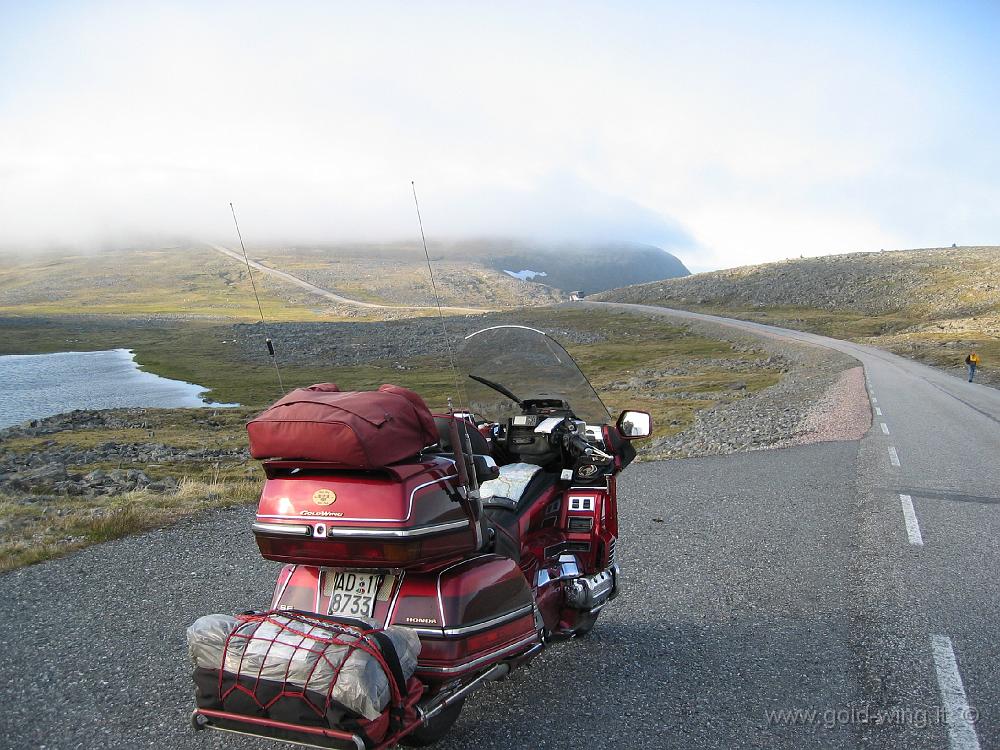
529, 364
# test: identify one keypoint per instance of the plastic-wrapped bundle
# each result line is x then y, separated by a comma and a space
274, 662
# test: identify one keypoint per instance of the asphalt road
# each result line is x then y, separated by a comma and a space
756, 585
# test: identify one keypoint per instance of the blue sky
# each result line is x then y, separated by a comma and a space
730, 133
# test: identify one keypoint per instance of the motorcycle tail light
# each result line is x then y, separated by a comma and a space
349, 552
494, 637
402, 553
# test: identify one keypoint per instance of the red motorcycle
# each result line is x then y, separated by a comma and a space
492, 541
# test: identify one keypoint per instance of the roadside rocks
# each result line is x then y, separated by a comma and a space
346, 344
651, 382
117, 419
52, 470
54, 479
42, 474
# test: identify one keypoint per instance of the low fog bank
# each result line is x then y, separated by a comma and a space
440, 248
96, 211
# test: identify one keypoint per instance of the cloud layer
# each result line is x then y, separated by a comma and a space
730, 135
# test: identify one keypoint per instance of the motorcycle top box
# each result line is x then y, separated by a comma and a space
398, 516
351, 487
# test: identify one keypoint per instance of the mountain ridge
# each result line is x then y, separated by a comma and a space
566, 266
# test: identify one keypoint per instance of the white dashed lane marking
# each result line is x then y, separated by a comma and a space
885, 428
910, 519
878, 412
893, 456
961, 718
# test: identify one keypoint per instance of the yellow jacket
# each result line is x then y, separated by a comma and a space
973, 359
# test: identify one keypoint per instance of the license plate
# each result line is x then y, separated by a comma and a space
353, 593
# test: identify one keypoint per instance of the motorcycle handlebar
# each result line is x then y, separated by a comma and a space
582, 446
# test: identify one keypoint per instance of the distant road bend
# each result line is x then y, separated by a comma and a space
333, 296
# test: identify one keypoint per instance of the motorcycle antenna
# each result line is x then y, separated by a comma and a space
467, 478
263, 323
437, 297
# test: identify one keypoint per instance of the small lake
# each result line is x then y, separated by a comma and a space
33, 386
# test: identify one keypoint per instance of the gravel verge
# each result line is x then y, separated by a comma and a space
843, 413
805, 406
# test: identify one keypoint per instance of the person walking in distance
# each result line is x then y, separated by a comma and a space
972, 361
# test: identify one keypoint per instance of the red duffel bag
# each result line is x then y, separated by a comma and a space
359, 430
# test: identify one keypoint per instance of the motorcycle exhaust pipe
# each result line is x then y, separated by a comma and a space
496, 672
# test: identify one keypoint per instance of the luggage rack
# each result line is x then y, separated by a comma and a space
253, 726
274, 468
339, 739
325, 738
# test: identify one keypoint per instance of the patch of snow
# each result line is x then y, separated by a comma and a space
526, 275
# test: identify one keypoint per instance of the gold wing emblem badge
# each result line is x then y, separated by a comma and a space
324, 497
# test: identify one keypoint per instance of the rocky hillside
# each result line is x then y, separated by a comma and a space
944, 283
933, 305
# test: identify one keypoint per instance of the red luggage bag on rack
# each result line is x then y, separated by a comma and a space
357, 430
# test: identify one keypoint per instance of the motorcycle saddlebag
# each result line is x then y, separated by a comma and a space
356, 430
294, 668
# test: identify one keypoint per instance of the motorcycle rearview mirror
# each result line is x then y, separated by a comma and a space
634, 425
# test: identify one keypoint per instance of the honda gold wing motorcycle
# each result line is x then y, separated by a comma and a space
424, 555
